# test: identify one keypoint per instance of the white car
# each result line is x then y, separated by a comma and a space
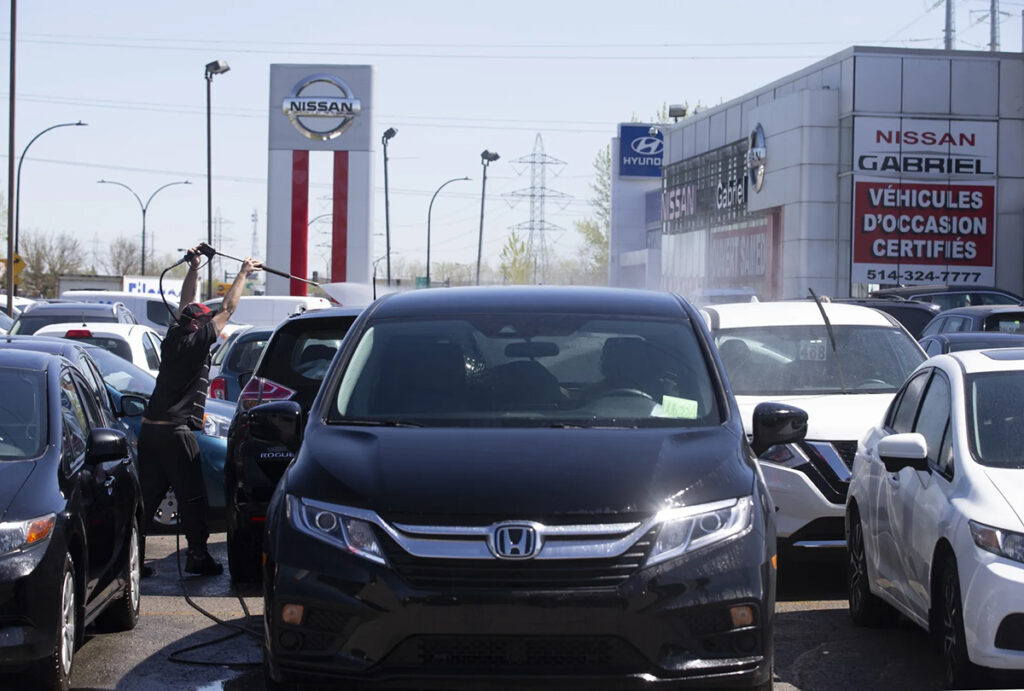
935, 514
783, 352
136, 343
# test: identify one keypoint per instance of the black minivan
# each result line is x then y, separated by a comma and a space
527, 486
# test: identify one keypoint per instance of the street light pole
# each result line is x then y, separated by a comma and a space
486, 158
17, 189
429, 210
212, 68
145, 208
388, 134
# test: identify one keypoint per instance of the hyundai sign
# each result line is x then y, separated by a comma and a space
640, 151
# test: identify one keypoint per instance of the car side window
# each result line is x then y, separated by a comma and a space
951, 324
933, 347
933, 326
76, 425
933, 421
152, 354
89, 405
901, 419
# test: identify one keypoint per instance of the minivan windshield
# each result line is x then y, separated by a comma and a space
527, 370
23, 423
995, 425
785, 360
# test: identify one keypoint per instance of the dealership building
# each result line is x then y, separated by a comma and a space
875, 166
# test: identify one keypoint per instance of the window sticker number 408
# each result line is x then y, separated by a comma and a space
814, 350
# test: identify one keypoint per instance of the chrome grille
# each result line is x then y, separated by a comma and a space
434, 573
847, 450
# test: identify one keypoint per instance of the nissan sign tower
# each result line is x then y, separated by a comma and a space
317, 108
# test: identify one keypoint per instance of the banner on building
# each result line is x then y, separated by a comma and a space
923, 232
641, 151
924, 200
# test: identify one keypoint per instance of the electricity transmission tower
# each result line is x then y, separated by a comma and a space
538, 194
255, 250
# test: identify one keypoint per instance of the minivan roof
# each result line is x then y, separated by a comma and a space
520, 299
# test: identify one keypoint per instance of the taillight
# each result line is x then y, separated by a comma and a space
260, 390
219, 388
78, 333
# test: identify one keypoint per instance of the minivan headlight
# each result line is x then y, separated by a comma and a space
15, 535
331, 525
1005, 543
689, 528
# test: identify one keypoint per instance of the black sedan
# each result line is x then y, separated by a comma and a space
996, 318
954, 342
70, 507
522, 488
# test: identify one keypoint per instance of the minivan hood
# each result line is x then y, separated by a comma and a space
13, 475
518, 472
830, 417
1009, 482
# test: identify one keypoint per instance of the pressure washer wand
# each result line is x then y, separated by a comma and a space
208, 251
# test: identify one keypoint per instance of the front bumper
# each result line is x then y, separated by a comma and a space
798, 504
991, 596
29, 603
666, 625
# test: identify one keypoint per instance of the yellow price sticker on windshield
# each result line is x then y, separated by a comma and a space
682, 408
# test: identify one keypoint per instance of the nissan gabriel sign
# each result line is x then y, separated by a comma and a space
924, 204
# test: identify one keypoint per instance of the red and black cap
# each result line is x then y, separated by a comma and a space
196, 310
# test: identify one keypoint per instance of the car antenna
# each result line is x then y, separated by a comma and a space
831, 338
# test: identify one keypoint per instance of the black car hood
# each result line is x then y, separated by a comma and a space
518, 472
13, 476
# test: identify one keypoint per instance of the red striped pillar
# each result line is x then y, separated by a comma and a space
300, 220
339, 219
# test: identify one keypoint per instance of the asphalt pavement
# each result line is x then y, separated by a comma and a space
816, 645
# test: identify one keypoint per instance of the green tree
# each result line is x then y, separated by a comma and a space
594, 232
515, 260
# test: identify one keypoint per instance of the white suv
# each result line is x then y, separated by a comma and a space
784, 352
935, 515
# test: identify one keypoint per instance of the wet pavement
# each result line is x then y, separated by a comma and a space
817, 646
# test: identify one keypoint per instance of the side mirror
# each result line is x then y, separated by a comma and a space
279, 422
899, 451
244, 378
105, 445
777, 423
131, 406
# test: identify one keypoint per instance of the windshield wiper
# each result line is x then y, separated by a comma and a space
378, 423
831, 338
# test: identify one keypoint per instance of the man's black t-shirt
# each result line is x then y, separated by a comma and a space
181, 385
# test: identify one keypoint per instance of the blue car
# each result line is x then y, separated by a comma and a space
122, 378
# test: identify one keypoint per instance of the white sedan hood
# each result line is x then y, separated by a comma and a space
1010, 483
831, 417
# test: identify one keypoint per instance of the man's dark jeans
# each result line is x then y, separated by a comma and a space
169, 457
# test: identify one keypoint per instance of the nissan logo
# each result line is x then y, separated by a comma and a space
515, 541
647, 146
756, 158
325, 100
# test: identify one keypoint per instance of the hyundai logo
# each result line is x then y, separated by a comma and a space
647, 146
515, 541
324, 98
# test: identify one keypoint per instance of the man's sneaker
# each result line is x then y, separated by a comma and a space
202, 563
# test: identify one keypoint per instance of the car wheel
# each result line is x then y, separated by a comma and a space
960, 671
866, 608
123, 613
53, 672
244, 555
165, 520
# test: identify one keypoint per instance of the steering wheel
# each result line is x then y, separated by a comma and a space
627, 392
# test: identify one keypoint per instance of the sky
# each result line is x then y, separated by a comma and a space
454, 78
